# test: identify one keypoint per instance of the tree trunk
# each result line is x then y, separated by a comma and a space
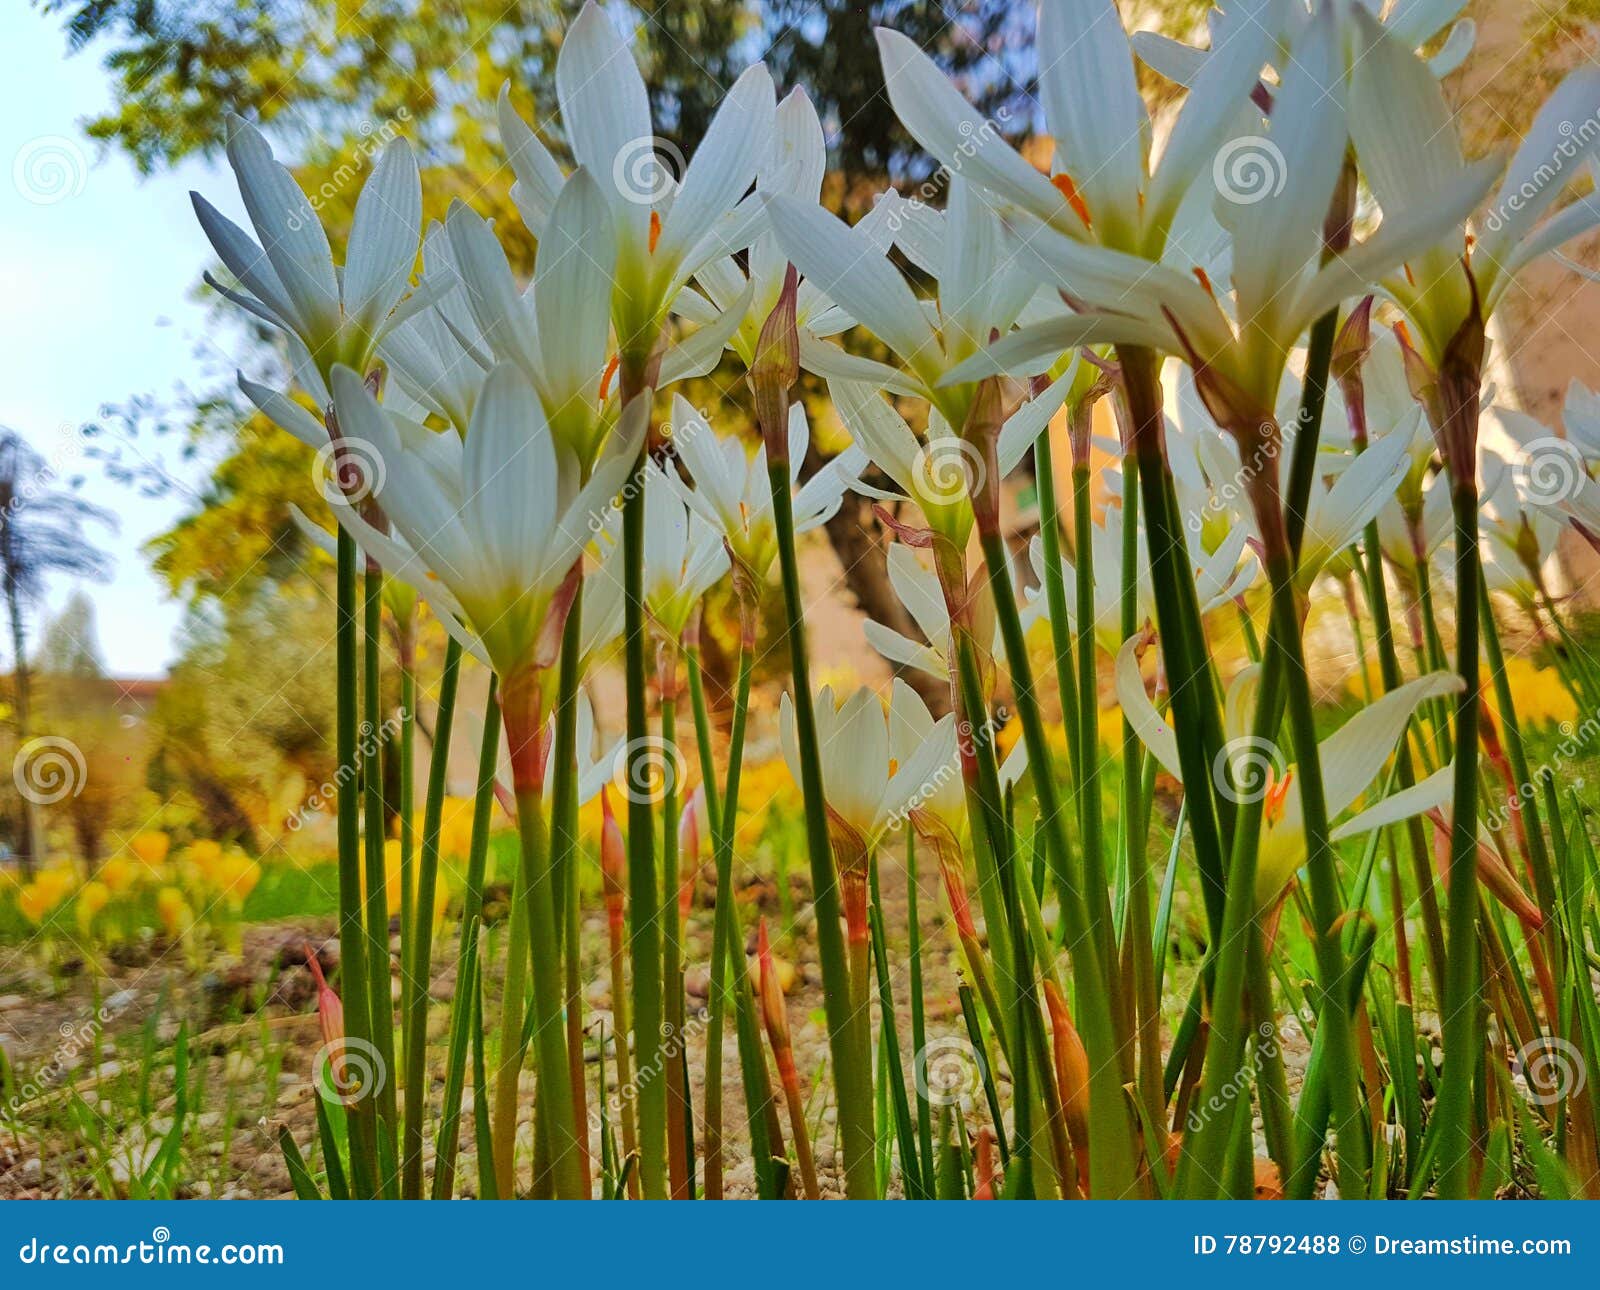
31, 842
856, 536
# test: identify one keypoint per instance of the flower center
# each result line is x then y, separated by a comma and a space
1064, 185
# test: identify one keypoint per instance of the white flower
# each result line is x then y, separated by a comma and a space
1350, 757
683, 555
939, 472
917, 588
732, 492
664, 228
1220, 576
1280, 283
979, 290
494, 525
873, 761
1406, 141
287, 277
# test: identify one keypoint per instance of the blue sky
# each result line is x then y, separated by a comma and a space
99, 269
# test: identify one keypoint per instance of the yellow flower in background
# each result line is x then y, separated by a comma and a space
235, 875
205, 856
150, 847
94, 897
1538, 696
118, 874
174, 912
47, 890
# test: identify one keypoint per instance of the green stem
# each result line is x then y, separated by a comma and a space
1455, 1106
1055, 590
644, 911
1087, 911
852, 1069
419, 969
678, 1122
549, 1038
353, 958
379, 985
461, 1022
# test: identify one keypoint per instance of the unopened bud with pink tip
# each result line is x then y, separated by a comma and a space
330, 1011
689, 834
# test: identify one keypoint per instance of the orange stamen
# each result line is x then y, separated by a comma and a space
1410, 277
1204, 279
1277, 794
605, 380
655, 230
1064, 185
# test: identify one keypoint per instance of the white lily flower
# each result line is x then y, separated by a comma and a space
1220, 576
1414, 23
732, 493
1406, 140
1279, 287
1106, 195
795, 164
1515, 511
438, 356
683, 554
286, 274
873, 762
979, 292
1580, 415
664, 229
1351, 758
939, 472
495, 525
918, 589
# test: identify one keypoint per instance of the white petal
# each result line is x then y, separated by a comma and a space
383, 237
285, 413
1093, 107
606, 113
1354, 754
572, 291
865, 283
539, 178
